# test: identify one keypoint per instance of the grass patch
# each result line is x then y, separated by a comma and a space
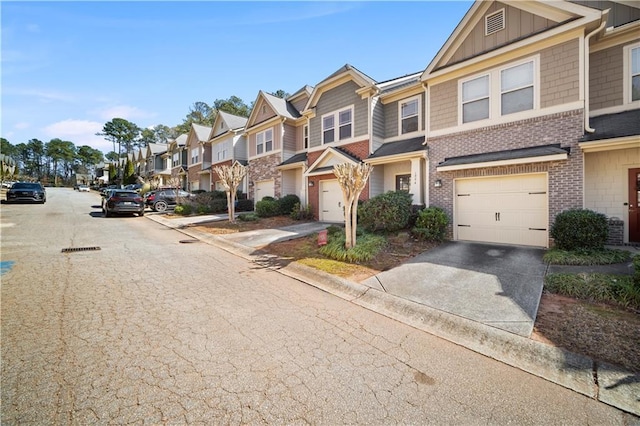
328, 265
367, 246
585, 257
596, 288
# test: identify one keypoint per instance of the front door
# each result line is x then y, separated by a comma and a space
634, 205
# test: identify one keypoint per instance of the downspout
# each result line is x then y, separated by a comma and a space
587, 127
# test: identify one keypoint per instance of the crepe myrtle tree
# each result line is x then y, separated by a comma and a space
352, 179
231, 177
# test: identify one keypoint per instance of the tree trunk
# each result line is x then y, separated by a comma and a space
230, 206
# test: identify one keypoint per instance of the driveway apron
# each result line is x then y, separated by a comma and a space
496, 285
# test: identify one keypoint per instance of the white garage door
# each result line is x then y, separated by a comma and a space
263, 189
331, 209
506, 209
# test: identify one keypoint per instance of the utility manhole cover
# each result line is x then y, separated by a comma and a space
76, 249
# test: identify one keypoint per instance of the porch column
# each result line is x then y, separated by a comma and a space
417, 181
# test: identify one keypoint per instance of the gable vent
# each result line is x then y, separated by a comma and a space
494, 22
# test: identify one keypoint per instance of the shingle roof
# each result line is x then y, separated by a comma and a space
233, 121
400, 147
202, 132
611, 126
298, 158
511, 154
157, 148
281, 106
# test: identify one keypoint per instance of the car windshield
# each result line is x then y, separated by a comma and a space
125, 194
26, 185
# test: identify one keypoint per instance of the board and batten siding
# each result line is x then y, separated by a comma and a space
377, 123
263, 116
518, 24
333, 100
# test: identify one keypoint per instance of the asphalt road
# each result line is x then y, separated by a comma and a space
152, 330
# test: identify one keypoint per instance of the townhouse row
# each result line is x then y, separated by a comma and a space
528, 109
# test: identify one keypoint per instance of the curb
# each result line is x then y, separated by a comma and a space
606, 383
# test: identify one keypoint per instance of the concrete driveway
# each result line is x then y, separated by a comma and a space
495, 285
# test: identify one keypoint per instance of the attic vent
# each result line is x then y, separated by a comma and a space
494, 22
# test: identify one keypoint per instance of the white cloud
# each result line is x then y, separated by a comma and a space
22, 125
80, 132
124, 111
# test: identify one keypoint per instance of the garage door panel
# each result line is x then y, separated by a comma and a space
505, 209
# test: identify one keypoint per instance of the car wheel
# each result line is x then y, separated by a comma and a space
141, 213
106, 213
160, 206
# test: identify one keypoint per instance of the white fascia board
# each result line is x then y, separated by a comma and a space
526, 160
610, 144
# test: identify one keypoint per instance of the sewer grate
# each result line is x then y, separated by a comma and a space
188, 241
75, 249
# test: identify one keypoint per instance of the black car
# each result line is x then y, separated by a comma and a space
123, 201
160, 200
27, 191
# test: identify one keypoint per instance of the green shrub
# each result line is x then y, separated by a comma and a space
636, 271
200, 209
595, 287
367, 246
387, 212
605, 256
218, 206
248, 217
288, 203
431, 224
580, 229
217, 195
244, 205
268, 207
183, 209
198, 191
299, 213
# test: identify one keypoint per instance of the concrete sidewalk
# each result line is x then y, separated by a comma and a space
606, 383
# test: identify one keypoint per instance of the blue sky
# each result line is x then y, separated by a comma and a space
69, 67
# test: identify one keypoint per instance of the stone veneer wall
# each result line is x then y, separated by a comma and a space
264, 168
616, 232
565, 177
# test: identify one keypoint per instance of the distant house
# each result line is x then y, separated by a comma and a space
198, 158
228, 145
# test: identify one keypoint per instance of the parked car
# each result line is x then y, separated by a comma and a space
161, 200
83, 188
27, 191
133, 187
123, 201
106, 193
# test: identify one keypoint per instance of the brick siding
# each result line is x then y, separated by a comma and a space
565, 177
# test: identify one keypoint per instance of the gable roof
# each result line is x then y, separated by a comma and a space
279, 106
233, 121
306, 90
201, 132
343, 74
558, 13
156, 148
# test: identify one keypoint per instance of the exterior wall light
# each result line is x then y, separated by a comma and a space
437, 183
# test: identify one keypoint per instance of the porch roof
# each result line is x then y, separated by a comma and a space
610, 126
515, 156
298, 158
400, 147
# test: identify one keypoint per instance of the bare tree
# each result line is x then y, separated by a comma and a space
231, 177
352, 179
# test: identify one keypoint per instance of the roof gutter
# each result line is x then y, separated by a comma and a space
603, 22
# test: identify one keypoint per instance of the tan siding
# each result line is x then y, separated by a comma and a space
300, 103
444, 108
560, 74
605, 78
252, 145
289, 138
518, 24
262, 116
277, 137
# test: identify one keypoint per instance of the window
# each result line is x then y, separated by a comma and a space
516, 85
221, 151
475, 99
500, 92
345, 125
305, 136
194, 155
176, 159
409, 116
632, 73
264, 141
403, 182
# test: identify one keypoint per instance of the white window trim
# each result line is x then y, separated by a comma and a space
626, 92
405, 101
305, 136
264, 142
336, 126
495, 94
197, 156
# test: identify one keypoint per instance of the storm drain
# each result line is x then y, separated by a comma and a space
76, 249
